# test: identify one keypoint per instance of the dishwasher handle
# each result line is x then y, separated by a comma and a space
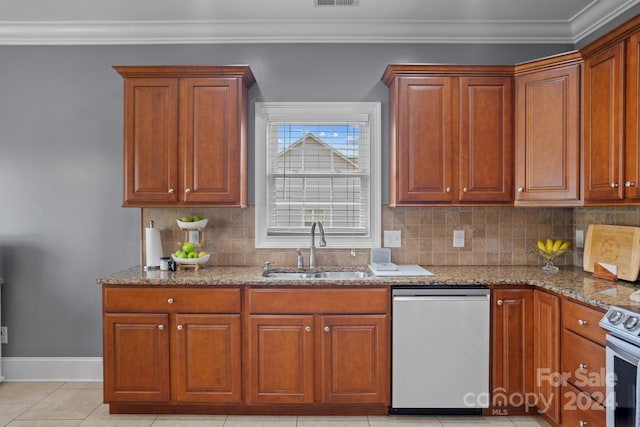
426, 298
449, 292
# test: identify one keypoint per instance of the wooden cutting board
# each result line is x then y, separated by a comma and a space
613, 244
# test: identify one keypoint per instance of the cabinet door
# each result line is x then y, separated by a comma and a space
280, 359
355, 360
207, 358
603, 130
150, 141
486, 139
136, 357
547, 142
425, 135
546, 353
512, 364
632, 105
210, 138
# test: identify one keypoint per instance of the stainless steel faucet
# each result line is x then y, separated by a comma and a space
312, 249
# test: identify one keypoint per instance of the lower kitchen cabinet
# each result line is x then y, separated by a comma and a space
171, 345
207, 358
280, 359
354, 359
136, 357
512, 345
326, 349
583, 363
580, 410
546, 353
245, 350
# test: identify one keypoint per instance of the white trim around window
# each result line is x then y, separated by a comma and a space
343, 176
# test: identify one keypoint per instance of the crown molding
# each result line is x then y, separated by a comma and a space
297, 31
343, 31
597, 14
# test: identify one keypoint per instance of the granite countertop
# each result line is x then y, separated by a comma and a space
569, 281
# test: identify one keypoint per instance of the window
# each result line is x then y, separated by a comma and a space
317, 162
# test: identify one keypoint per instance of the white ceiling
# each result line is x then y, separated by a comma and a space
300, 21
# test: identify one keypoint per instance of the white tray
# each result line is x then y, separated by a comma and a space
403, 270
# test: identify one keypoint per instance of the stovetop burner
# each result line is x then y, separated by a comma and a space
623, 323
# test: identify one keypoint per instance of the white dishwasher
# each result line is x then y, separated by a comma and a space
440, 350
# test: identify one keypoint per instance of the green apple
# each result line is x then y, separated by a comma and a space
186, 219
181, 254
196, 218
188, 247
193, 255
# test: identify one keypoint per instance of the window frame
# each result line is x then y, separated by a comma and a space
267, 112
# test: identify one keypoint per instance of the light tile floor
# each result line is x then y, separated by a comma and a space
80, 404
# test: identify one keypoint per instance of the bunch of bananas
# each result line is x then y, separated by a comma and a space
550, 248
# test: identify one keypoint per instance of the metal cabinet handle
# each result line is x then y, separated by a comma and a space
448, 190
170, 300
499, 302
582, 322
613, 185
465, 190
582, 366
171, 191
161, 327
582, 423
307, 328
187, 190
327, 329
180, 327
520, 189
629, 184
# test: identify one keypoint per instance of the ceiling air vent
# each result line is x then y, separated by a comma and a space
335, 2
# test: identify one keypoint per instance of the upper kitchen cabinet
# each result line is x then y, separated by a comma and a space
185, 135
604, 125
547, 131
450, 134
632, 156
611, 131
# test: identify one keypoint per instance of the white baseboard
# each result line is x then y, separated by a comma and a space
52, 368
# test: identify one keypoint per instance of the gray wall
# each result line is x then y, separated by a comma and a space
61, 220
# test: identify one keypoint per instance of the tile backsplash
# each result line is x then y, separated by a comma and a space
493, 235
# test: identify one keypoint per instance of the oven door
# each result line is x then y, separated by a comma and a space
623, 360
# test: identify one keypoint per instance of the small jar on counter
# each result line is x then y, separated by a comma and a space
164, 263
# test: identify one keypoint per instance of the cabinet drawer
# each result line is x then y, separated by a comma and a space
300, 301
584, 363
583, 321
171, 300
578, 409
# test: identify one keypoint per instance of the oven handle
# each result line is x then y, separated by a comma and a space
623, 349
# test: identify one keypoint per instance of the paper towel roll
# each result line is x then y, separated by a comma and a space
153, 247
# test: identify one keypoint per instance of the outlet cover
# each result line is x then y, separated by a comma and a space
4, 335
579, 238
458, 238
392, 238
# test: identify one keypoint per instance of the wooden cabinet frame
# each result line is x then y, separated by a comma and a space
612, 117
451, 134
547, 137
185, 135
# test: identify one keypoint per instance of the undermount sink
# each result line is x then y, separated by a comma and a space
336, 275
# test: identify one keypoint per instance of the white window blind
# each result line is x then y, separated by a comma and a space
318, 172
317, 167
